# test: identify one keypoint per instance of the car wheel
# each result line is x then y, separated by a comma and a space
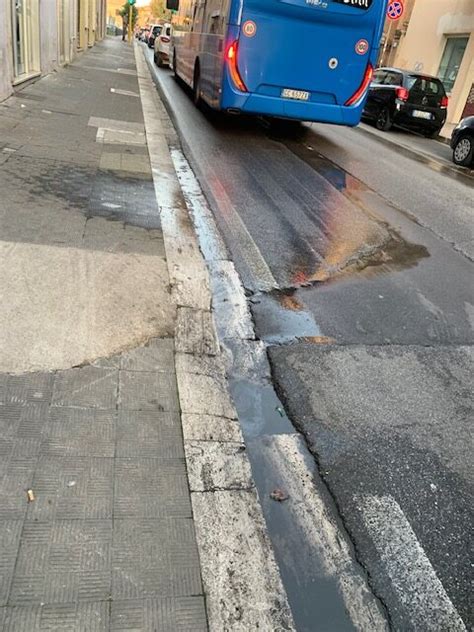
383, 122
155, 59
463, 152
159, 61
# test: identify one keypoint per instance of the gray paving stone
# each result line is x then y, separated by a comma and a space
10, 532
151, 488
79, 617
87, 386
63, 562
146, 433
30, 388
148, 391
72, 488
3, 386
80, 432
16, 477
180, 614
108, 363
22, 426
102, 234
155, 558
112, 510
158, 356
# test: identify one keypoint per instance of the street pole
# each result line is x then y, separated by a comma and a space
130, 8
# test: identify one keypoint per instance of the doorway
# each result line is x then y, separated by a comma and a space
25, 39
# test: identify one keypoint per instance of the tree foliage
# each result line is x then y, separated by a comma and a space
125, 12
159, 10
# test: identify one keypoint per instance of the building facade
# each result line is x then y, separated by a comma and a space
439, 41
394, 33
37, 36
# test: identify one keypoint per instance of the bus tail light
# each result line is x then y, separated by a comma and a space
402, 94
444, 102
359, 93
231, 57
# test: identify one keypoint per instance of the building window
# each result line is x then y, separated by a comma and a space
451, 61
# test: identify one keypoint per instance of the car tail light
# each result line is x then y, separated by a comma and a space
231, 57
402, 94
444, 102
362, 89
165, 39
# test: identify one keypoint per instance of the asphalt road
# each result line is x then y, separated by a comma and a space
356, 259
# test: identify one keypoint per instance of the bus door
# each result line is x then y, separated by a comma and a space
312, 49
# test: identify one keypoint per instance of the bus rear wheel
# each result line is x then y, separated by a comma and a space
174, 64
197, 86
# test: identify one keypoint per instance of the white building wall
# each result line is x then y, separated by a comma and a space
49, 39
6, 69
48, 36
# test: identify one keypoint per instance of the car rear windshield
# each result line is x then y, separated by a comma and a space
425, 85
388, 78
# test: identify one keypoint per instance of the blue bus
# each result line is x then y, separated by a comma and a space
309, 60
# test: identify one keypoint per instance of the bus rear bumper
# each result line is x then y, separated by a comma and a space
299, 110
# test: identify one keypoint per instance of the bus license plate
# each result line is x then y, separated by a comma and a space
423, 115
300, 95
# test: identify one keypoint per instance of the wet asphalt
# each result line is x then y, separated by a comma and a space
356, 262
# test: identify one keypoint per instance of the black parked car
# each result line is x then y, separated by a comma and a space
407, 99
462, 142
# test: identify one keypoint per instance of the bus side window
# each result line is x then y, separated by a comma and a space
214, 19
198, 15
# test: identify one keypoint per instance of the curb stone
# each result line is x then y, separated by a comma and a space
242, 583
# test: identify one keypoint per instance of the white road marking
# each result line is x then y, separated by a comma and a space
411, 573
122, 71
114, 125
119, 137
125, 93
126, 71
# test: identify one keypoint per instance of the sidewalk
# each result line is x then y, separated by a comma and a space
126, 496
107, 541
431, 151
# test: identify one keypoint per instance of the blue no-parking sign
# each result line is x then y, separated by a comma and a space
395, 9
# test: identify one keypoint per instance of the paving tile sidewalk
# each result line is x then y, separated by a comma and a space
108, 543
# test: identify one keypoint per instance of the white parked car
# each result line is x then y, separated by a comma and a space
162, 46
